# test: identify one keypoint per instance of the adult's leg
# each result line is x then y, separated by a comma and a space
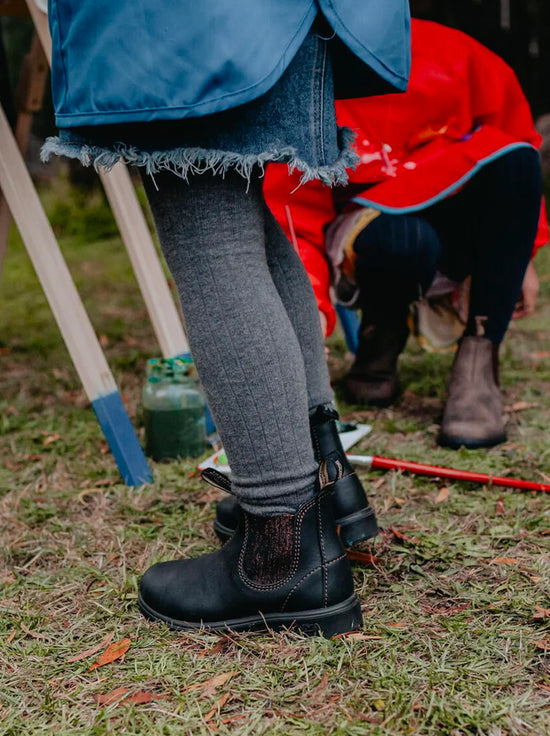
243, 342
396, 257
487, 230
396, 261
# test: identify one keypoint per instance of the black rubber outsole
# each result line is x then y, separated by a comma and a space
455, 443
372, 403
336, 619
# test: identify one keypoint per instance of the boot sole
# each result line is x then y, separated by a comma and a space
455, 443
352, 398
327, 622
353, 528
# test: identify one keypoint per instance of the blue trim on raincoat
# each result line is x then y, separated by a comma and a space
444, 193
119, 61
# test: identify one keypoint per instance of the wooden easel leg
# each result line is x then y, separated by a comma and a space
5, 224
68, 310
135, 234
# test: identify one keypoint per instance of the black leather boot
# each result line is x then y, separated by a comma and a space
274, 573
354, 515
373, 379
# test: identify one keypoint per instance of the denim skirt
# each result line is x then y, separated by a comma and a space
293, 123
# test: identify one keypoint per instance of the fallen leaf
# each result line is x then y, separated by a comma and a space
103, 341
218, 705
504, 561
357, 636
442, 496
543, 644
142, 696
521, 405
540, 355
10, 638
398, 625
379, 704
50, 439
113, 652
213, 683
93, 650
499, 507
543, 687
446, 610
9, 465
5, 351
89, 492
120, 694
239, 717
322, 686
399, 535
541, 613
110, 698
365, 557
220, 646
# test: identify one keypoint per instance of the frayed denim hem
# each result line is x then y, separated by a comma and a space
188, 161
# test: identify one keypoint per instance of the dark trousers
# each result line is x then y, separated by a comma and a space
486, 230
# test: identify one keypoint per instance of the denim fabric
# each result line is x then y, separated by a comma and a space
119, 61
294, 122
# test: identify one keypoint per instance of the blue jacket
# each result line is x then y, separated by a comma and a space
119, 61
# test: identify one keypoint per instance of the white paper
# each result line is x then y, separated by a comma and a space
219, 461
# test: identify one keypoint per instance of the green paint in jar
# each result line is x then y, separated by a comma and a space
173, 411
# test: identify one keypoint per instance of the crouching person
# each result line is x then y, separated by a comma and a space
449, 182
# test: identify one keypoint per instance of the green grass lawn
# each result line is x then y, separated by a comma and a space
456, 603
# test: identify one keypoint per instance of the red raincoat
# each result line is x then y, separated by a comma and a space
463, 108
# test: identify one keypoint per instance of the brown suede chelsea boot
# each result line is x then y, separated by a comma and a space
473, 414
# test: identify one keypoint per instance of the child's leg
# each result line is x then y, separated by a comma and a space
295, 290
243, 342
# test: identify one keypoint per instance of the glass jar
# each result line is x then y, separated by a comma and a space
173, 410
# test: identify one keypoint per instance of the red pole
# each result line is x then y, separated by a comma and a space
436, 471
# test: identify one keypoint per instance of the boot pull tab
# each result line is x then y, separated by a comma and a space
324, 476
214, 478
480, 326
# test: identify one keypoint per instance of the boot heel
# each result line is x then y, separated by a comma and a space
357, 527
335, 620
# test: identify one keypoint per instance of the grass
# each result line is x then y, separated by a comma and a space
456, 638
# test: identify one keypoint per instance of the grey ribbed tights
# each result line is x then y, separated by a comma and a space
253, 328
